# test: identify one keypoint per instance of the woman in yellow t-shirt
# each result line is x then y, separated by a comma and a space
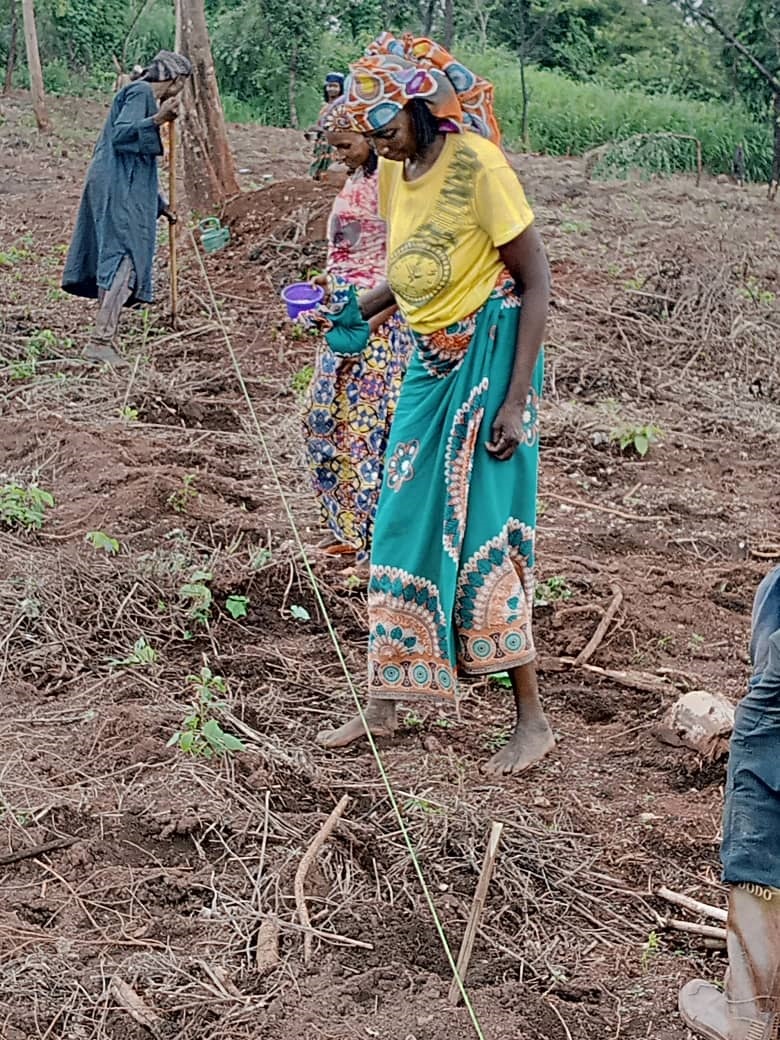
451, 585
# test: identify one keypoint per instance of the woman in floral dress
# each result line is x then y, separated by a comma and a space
351, 401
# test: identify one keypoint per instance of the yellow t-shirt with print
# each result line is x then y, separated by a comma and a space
444, 229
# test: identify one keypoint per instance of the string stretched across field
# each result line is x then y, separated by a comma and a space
338, 648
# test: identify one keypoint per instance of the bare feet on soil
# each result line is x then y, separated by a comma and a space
380, 717
528, 745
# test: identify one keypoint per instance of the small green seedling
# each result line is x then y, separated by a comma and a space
198, 597
128, 413
142, 654
650, 949
554, 590
301, 381
201, 734
237, 606
413, 721
638, 439
24, 507
260, 559
497, 740
300, 613
101, 540
444, 723
181, 497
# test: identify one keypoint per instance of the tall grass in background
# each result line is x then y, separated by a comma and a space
568, 118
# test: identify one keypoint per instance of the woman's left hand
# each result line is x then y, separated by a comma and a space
507, 432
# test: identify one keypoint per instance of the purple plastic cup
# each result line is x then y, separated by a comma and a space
300, 297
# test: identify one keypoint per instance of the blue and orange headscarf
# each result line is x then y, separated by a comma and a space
394, 72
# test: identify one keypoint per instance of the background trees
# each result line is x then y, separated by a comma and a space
271, 55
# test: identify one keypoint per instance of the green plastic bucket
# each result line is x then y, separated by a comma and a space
213, 235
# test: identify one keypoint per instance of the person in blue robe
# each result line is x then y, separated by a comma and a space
111, 252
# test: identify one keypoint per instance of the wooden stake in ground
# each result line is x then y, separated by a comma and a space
476, 913
34, 67
174, 273
309, 856
691, 904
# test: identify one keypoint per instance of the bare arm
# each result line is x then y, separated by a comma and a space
526, 260
374, 301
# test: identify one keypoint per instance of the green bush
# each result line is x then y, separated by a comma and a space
568, 118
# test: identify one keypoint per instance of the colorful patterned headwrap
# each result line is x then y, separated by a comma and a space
167, 65
337, 118
394, 72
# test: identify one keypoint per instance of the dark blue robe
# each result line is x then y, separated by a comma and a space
121, 202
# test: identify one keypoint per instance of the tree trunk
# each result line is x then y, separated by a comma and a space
34, 67
449, 24
524, 92
209, 169
429, 12
774, 177
11, 62
292, 87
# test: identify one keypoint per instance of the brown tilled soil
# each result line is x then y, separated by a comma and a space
170, 912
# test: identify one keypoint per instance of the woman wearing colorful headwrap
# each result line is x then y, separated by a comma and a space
351, 400
332, 88
451, 586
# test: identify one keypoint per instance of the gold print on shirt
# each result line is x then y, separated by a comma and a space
420, 268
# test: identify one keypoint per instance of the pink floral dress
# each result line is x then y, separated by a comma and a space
350, 404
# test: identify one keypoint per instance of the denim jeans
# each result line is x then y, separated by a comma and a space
750, 851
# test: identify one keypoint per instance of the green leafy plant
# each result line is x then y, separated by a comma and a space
182, 496
497, 740
650, 949
260, 559
301, 381
200, 733
24, 507
142, 654
237, 606
128, 413
198, 597
638, 439
553, 590
502, 679
41, 344
101, 540
413, 721
11, 257
300, 613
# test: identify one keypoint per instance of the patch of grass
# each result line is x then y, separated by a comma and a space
568, 117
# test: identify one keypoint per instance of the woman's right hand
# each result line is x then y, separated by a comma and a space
168, 110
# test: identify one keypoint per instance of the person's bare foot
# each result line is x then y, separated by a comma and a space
528, 745
381, 720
